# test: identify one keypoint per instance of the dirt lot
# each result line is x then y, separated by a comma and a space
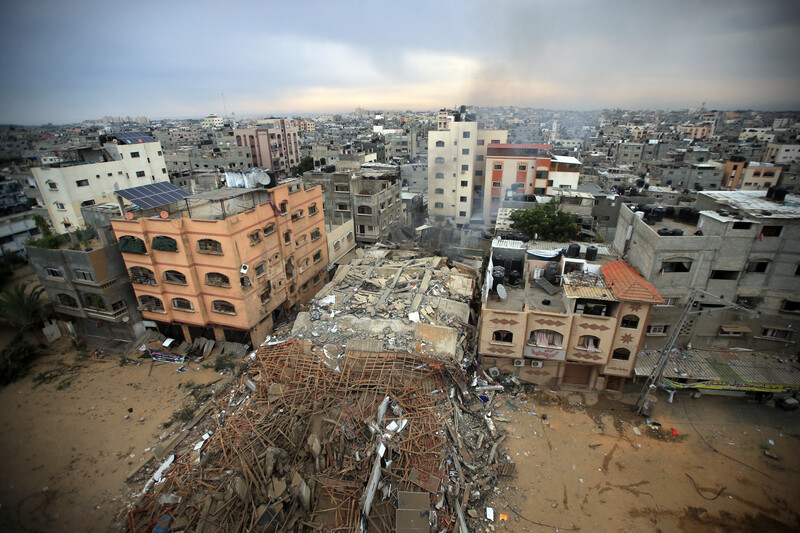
585, 466
67, 447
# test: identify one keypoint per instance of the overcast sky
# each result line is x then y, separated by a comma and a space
66, 61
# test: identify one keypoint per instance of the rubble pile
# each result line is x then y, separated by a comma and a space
383, 441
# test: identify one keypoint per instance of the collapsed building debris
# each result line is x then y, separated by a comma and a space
384, 441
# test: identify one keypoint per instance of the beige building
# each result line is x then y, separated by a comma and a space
457, 178
274, 144
92, 174
576, 319
758, 176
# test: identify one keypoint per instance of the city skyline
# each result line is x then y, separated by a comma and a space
76, 63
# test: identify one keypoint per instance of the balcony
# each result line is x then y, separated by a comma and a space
105, 314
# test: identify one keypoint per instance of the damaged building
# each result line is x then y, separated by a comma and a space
563, 314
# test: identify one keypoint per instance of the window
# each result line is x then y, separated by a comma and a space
497, 166
182, 304
317, 256
82, 183
724, 274
479, 157
53, 273
464, 183
496, 184
742, 225
134, 154
439, 144
287, 237
209, 246
364, 210
96, 302
439, 175
164, 244
621, 354
151, 303
522, 167
255, 238
790, 306
53, 186
629, 322
261, 269
464, 168
67, 301
589, 342
215, 279
438, 205
546, 337
541, 174
87, 203
776, 333
465, 151
140, 173
503, 336
221, 306
284, 207
312, 210
668, 302
771, 231
84, 275
676, 265
653, 329
163, 170
732, 331
438, 191
174, 277
757, 266
297, 215
342, 207
131, 245
269, 229
301, 241
60, 206
462, 213
315, 234
481, 142
479, 172
439, 160
341, 188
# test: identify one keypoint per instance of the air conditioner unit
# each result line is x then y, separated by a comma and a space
244, 269
519, 362
536, 364
494, 372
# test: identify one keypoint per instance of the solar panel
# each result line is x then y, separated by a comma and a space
153, 195
133, 137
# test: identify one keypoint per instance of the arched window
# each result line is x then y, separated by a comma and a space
66, 300
589, 342
221, 306
129, 244
142, 276
440, 175
312, 210
151, 303
269, 229
215, 279
238, 140
438, 191
182, 304
209, 246
439, 144
502, 335
621, 354
174, 277
165, 244
364, 210
439, 160
629, 322
438, 205
284, 206
546, 337
255, 237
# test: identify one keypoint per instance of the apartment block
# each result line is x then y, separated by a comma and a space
273, 144
226, 263
743, 246
759, 176
782, 154
456, 169
558, 319
90, 175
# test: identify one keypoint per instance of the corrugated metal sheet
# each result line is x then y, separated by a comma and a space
595, 293
725, 365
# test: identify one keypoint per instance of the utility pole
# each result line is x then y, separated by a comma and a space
657, 373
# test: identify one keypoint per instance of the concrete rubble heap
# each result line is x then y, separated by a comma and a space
386, 441
400, 299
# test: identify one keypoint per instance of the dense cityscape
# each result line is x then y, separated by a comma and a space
421, 268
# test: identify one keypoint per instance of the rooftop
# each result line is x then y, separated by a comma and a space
628, 284
756, 203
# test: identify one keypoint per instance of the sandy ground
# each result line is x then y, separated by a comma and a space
67, 451
585, 467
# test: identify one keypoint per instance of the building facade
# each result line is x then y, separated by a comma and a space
274, 144
231, 264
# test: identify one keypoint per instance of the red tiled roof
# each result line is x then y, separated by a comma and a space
627, 284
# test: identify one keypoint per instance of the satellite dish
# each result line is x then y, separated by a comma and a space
163, 214
129, 216
501, 292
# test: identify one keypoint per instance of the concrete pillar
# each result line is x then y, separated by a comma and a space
219, 334
186, 335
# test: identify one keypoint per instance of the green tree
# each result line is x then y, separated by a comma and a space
21, 307
306, 164
545, 222
41, 223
